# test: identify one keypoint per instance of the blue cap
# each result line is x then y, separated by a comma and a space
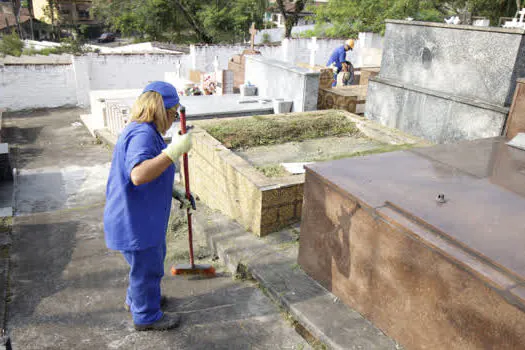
166, 90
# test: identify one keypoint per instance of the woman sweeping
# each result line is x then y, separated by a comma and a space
138, 201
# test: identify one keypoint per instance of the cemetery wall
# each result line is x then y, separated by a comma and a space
111, 72
37, 86
54, 85
277, 34
291, 50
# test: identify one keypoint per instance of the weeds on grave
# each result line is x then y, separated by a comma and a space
271, 130
242, 273
273, 170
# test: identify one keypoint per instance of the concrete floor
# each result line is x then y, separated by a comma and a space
67, 289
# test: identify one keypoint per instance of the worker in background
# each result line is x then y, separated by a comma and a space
337, 60
138, 201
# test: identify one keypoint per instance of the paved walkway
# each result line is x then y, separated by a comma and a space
67, 289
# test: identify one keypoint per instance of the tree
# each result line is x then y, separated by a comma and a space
348, 17
211, 21
290, 18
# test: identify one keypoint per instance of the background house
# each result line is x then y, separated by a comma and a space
66, 12
273, 14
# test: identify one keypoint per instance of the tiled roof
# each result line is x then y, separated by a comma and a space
8, 19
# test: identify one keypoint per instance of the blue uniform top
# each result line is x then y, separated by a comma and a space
136, 217
337, 57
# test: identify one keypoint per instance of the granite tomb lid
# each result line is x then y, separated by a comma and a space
483, 183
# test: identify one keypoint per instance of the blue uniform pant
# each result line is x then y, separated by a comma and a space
143, 296
334, 82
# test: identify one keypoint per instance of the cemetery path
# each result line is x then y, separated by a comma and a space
67, 289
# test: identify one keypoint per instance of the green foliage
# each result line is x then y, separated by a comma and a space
216, 21
11, 44
493, 9
349, 17
267, 38
273, 170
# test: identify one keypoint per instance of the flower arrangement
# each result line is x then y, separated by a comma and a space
209, 85
191, 91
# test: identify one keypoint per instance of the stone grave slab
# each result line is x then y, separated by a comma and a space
427, 244
434, 86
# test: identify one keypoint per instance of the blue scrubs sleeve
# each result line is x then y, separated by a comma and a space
138, 150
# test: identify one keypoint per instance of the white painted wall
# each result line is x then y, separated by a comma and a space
108, 72
32, 86
292, 50
277, 34
37, 86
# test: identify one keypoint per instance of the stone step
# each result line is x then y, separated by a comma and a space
272, 261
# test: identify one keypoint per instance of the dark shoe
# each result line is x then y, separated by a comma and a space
167, 321
163, 303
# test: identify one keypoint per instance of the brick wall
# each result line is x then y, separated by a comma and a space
226, 182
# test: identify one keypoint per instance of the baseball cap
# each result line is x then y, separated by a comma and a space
166, 90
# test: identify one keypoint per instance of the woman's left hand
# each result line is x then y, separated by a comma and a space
180, 194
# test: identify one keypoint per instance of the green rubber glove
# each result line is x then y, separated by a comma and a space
179, 145
179, 193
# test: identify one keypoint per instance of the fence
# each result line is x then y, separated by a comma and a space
116, 116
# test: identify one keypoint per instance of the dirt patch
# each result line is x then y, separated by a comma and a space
243, 133
177, 242
268, 159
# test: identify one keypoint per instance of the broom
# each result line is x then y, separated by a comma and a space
191, 268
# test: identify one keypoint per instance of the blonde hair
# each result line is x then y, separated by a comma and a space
149, 107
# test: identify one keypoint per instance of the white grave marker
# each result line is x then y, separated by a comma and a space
284, 48
178, 69
216, 64
313, 46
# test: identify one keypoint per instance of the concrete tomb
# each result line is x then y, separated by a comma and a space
237, 65
110, 109
235, 181
278, 79
446, 83
427, 244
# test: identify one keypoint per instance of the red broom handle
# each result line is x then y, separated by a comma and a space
187, 183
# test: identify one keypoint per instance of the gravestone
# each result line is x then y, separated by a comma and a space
313, 47
446, 83
237, 63
253, 32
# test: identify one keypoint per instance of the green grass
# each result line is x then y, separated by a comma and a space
273, 170
271, 130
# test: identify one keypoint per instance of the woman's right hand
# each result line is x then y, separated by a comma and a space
179, 145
